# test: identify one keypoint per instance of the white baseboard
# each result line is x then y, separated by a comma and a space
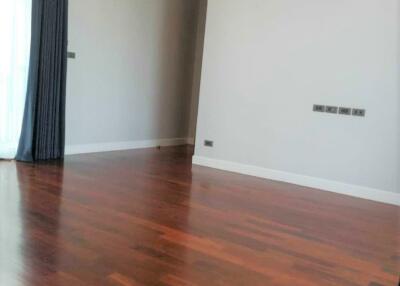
307, 181
126, 145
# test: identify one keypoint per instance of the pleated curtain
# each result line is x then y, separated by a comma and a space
43, 129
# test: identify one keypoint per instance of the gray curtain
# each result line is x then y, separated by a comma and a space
43, 129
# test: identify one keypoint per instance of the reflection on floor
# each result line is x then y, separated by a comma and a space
147, 217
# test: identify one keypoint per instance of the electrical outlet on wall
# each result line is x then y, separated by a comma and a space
71, 55
208, 143
331, 109
358, 112
339, 110
345, 110
319, 108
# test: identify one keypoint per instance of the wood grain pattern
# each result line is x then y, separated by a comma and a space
147, 217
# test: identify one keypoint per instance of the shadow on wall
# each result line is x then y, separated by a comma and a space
197, 65
186, 28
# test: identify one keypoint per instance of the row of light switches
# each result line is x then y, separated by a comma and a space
339, 110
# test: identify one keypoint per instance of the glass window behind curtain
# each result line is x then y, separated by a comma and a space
15, 30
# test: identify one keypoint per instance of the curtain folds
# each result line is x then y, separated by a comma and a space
43, 129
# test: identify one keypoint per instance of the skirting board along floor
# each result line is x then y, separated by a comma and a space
125, 145
307, 181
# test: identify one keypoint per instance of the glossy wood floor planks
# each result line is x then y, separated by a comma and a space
147, 217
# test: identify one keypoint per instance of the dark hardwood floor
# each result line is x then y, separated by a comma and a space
147, 217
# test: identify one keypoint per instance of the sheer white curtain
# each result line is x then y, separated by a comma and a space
15, 37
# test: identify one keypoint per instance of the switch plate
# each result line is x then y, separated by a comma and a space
331, 109
358, 112
208, 143
71, 55
318, 108
345, 110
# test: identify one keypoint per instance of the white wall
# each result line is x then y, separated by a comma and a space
266, 62
129, 80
